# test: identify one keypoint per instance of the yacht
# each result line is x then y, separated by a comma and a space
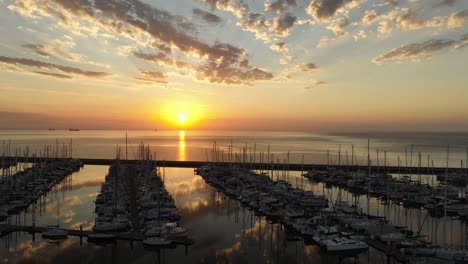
344, 246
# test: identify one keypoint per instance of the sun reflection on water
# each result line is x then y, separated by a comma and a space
181, 155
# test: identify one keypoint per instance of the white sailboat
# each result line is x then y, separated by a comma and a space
344, 246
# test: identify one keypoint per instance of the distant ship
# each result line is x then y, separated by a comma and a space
51, 129
73, 129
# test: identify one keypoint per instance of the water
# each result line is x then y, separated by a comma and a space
224, 232
197, 145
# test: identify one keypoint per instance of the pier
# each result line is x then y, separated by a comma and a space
388, 250
6, 229
260, 166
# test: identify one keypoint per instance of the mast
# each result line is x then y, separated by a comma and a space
445, 195
339, 155
378, 164
419, 167
368, 178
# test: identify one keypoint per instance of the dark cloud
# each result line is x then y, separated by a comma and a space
280, 6
207, 16
162, 47
323, 10
58, 75
283, 24
391, 2
160, 58
51, 66
256, 23
308, 67
445, 3
408, 20
415, 51
38, 49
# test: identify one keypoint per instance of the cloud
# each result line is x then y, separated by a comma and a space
415, 51
463, 42
391, 2
133, 18
258, 24
405, 19
445, 3
279, 6
324, 10
308, 67
361, 34
409, 21
215, 71
58, 75
314, 84
207, 16
61, 49
279, 47
458, 20
323, 42
150, 77
338, 25
265, 27
51, 66
239, 9
369, 17
283, 23
159, 58
38, 49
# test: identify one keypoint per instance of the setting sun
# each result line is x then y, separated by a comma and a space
182, 118
180, 113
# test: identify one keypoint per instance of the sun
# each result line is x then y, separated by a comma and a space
182, 118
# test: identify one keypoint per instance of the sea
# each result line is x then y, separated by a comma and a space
223, 231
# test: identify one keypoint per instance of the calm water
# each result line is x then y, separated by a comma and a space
197, 145
224, 232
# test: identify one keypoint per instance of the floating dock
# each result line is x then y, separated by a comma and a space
6, 229
260, 166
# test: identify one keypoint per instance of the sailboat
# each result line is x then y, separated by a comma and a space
54, 232
344, 246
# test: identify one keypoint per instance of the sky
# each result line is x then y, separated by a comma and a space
319, 65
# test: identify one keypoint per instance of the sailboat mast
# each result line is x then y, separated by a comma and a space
368, 177
445, 195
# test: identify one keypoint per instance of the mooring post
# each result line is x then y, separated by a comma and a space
81, 235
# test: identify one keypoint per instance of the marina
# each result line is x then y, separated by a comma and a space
344, 214
234, 132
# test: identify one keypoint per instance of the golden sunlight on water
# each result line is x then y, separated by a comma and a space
181, 155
